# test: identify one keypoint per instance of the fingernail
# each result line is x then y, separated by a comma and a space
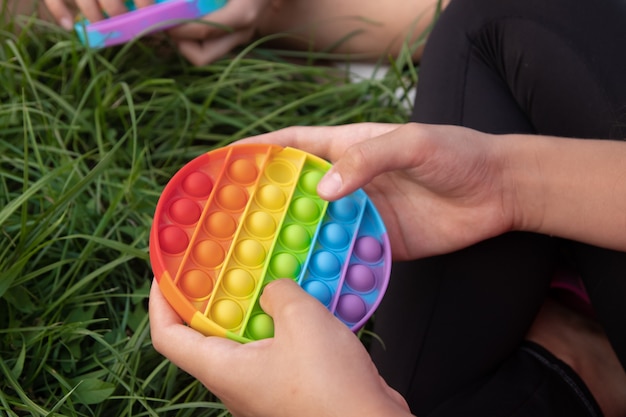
330, 184
66, 23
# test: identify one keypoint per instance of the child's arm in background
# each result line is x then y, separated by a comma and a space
365, 29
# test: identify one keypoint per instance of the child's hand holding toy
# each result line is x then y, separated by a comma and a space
220, 26
312, 367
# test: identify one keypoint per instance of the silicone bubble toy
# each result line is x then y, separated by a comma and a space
236, 218
163, 14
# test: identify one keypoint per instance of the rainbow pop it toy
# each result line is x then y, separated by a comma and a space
163, 14
236, 218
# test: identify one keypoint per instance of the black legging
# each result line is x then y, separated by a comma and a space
451, 323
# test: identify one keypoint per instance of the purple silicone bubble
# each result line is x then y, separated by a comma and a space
368, 249
351, 308
360, 278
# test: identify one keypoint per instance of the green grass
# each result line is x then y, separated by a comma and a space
88, 141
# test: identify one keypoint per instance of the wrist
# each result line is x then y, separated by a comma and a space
523, 188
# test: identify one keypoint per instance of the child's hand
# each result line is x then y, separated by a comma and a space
438, 188
234, 24
314, 366
201, 43
92, 10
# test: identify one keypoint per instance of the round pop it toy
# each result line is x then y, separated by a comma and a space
236, 218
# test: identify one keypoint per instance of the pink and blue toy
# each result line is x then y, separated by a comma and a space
137, 22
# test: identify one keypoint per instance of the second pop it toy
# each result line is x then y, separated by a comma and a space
163, 14
236, 218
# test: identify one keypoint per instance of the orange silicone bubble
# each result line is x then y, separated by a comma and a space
232, 197
242, 171
196, 284
221, 225
208, 253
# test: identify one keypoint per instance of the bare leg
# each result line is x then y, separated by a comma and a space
370, 28
581, 343
12, 8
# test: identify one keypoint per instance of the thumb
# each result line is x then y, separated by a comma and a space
292, 308
365, 160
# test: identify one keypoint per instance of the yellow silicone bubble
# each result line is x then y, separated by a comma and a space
239, 283
221, 225
208, 253
232, 197
250, 253
243, 171
227, 313
261, 326
196, 284
260, 224
271, 197
279, 172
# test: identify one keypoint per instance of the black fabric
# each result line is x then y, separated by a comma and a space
549, 388
555, 67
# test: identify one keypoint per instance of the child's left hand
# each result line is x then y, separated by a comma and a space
314, 366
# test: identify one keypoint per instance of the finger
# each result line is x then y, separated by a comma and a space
202, 53
90, 9
294, 311
160, 310
233, 17
113, 7
61, 13
179, 343
143, 3
328, 142
169, 334
363, 161
395, 395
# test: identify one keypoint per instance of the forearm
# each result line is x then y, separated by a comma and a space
571, 188
368, 28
